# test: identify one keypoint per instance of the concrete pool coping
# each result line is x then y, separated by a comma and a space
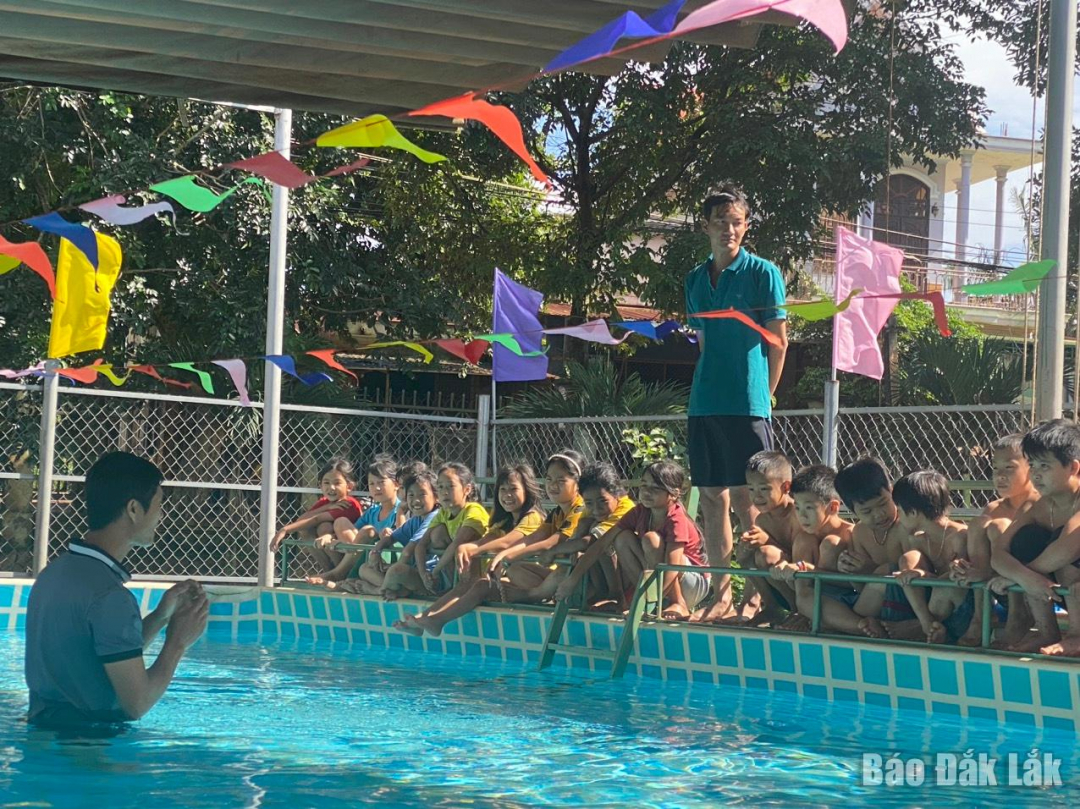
1038, 691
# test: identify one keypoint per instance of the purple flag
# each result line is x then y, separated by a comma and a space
515, 311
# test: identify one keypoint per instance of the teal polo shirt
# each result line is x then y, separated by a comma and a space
732, 374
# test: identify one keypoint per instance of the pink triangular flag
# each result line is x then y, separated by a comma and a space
238, 373
873, 267
595, 331
828, 16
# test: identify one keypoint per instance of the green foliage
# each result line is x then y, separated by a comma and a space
657, 444
960, 371
595, 389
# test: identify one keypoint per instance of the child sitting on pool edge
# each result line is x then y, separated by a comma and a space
932, 543
1041, 548
419, 488
459, 518
516, 515
822, 536
336, 479
770, 540
1012, 483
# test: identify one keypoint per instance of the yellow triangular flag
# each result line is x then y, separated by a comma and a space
81, 309
371, 133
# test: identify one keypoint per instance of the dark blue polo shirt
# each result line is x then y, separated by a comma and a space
80, 617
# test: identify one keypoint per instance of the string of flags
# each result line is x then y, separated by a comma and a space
378, 131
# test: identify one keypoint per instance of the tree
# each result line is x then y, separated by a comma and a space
804, 131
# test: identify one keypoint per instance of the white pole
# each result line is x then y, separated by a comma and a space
1050, 351
483, 423
275, 316
47, 446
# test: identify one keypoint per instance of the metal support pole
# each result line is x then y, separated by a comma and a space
831, 422
50, 389
1050, 350
483, 422
275, 316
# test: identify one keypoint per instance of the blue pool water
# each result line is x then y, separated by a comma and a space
271, 724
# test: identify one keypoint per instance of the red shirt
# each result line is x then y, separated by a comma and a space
676, 528
350, 508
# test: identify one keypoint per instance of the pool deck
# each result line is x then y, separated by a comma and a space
1035, 691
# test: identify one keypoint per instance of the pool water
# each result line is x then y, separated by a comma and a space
307, 723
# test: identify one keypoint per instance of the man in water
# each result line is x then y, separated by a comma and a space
84, 632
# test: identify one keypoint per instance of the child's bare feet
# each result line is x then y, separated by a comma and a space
872, 628
675, 612
796, 622
1069, 646
935, 633
319, 580
1034, 642
409, 626
971, 638
713, 612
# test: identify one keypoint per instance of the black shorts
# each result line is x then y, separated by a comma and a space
1030, 541
719, 447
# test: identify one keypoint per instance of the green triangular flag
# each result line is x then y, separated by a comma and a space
1025, 278
204, 378
510, 342
195, 197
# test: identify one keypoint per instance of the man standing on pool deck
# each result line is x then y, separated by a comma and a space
84, 634
735, 378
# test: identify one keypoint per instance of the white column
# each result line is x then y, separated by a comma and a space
46, 452
866, 222
963, 206
1002, 174
275, 315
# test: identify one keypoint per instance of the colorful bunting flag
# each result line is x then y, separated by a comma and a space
204, 378
288, 365
195, 197
33, 256
237, 371
828, 16
8, 263
373, 132
666, 328
419, 349
935, 299
500, 120
79, 235
510, 342
106, 370
108, 208
151, 371
471, 352
87, 374
821, 310
594, 331
602, 42
276, 168
356, 165
646, 328
1024, 279
745, 319
81, 309
327, 356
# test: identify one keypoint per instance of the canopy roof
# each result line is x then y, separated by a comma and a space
352, 57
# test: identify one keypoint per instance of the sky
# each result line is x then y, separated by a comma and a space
987, 65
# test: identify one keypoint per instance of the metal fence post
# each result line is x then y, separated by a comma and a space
831, 423
483, 424
49, 393
275, 314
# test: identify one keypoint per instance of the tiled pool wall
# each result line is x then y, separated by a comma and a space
1043, 693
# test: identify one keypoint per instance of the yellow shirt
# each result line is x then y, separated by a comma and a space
473, 516
565, 522
622, 509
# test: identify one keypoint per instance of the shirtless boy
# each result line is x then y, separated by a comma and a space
1012, 482
821, 537
932, 544
769, 541
877, 543
1041, 548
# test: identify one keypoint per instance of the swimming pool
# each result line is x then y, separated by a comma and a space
279, 723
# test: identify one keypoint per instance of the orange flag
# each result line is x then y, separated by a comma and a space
499, 120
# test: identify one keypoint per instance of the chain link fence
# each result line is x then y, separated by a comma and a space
211, 450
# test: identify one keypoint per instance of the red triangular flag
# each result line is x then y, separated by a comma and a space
327, 356
471, 352
275, 168
150, 370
